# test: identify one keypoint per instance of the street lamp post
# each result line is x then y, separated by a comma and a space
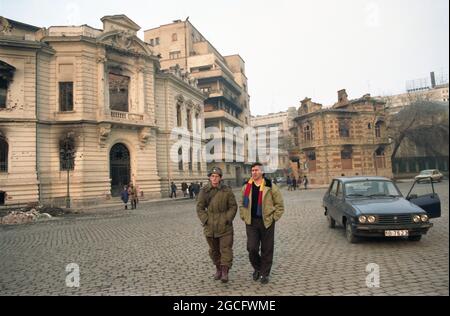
67, 155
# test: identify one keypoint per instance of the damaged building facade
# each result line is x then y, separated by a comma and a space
348, 138
92, 103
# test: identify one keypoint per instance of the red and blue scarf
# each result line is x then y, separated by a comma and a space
248, 190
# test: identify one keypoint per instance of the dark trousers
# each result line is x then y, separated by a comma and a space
133, 203
221, 250
258, 236
172, 194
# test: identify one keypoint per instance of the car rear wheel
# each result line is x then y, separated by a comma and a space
331, 221
415, 238
351, 238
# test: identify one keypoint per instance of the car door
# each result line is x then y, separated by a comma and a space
429, 202
330, 199
340, 204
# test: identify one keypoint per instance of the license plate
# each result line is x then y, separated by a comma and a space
396, 233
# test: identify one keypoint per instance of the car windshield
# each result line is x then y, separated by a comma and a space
427, 172
371, 188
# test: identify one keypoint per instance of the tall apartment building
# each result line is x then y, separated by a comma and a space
280, 122
222, 78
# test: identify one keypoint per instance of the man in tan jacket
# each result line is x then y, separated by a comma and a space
216, 209
261, 206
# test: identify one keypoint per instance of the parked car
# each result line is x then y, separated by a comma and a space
375, 207
426, 175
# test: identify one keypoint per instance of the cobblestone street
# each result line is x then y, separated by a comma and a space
160, 249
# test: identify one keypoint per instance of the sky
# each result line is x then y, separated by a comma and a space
292, 48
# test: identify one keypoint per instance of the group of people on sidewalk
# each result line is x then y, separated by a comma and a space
293, 183
130, 193
192, 190
261, 206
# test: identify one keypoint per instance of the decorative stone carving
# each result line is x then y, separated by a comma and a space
103, 133
144, 136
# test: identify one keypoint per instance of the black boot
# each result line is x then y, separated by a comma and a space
256, 275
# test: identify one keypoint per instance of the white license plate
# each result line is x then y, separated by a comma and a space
396, 233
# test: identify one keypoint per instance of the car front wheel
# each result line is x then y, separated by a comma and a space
351, 238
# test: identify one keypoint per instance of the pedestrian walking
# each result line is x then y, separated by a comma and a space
261, 206
216, 209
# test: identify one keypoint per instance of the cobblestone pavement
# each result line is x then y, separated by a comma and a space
160, 250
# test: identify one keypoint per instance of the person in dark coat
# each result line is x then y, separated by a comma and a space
184, 188
124, 196
173, 190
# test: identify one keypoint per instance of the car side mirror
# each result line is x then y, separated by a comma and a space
412, 197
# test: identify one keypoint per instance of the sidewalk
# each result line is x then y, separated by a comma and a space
116, 204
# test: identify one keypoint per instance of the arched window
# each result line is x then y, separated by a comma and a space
179, 121
198, 123
347, 158
378, 129
180, 159
189, 119
308, 133
380, 159
3, 155
344, 128
191, 158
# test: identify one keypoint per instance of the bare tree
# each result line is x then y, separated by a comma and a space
425, 123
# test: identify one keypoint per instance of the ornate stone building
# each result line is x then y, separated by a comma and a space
349, 138
91, 103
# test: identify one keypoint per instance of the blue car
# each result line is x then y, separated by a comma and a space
375, 207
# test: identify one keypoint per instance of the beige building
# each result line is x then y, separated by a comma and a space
348, 138
97, 94
280, 122
425, 89
181, 46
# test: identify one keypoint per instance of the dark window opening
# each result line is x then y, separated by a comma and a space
179, 123
189, 120
190, 159
308, 134
378, 129
2, 197
180, 159
346, 158
3, 93
66, 96
3, 155
344, 128
380, 159
311, 160
118, 92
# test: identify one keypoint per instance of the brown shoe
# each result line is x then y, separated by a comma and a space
224, 277
218, 274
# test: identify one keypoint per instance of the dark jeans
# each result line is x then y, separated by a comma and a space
173, 193
260, 236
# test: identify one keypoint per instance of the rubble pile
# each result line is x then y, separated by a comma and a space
29, 214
